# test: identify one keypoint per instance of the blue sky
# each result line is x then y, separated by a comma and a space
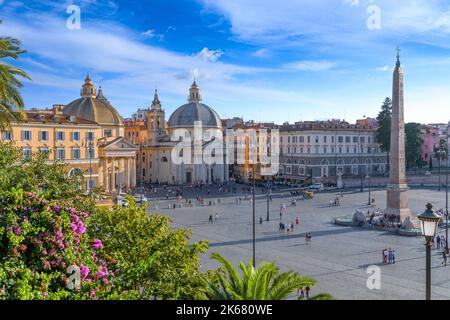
267, 60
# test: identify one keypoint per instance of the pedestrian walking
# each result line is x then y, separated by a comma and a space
307, 289
444, 258
302, 293
297, 221
211, 219
393, 256
216, 217
438, 241
385, 256
260, 220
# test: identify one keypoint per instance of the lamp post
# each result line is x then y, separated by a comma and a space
268, 196
429, 222
90, 145
370, 189
445, 156
254, 217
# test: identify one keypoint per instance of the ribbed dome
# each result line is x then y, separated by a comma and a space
186, 115
94, 109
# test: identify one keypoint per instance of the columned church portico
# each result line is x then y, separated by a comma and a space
118, 165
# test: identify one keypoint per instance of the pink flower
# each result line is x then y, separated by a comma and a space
97, 244
45, 294
105, 281
17, 231
44, 252
84, 271
75, 218
55, 208
72, 210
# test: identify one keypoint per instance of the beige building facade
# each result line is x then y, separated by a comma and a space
87, 135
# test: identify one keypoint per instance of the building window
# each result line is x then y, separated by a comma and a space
7, 135
27, 154
90, 153
354, 150
143, 172
340, 139
309, 150
43, 136
301, 150
26, 135
363, 140
302, 139
325, 150
289, 139
355, 139
60, 135
340, 150
76, 153
369, 139
90, 136
347, 140
309, 139
90, 184
348, 150
107, 133
325, 139
44, 152
75, 136
332, 149
60, 154
332, 139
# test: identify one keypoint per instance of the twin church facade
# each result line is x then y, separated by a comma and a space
90, 137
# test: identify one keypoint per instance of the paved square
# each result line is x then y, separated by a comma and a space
338, 257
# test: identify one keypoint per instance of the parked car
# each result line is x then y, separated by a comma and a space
316, 187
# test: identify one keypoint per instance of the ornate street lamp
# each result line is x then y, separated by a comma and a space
440, 154
370, 189
429, 222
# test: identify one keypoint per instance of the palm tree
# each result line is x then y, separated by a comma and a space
262, 283
11, 102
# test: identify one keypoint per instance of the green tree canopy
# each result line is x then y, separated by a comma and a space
50, 179
156, 261
11, 102
384, 118
413, 144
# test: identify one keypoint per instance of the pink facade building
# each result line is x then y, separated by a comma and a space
430, 136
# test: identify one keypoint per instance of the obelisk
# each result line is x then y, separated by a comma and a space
397, 189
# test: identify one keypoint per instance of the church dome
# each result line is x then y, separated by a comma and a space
93, 107
186, 115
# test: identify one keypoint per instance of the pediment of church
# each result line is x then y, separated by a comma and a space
118, 144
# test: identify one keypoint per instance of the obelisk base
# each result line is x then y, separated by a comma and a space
397, 201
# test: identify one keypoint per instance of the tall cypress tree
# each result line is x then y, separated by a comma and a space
384, 118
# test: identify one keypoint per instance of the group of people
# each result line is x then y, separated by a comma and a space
289, 227
303, 293
216, 217
335, 202
388, 256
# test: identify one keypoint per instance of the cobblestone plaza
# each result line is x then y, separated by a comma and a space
338, 257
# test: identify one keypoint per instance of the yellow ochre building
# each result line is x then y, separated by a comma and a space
86, 134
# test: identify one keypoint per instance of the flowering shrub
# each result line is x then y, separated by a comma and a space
44, 247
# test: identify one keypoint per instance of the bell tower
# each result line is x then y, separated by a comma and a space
156, 120
88, 88
194, 93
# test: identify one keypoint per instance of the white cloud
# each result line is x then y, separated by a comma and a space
311, 65
351, 3
149, 33
385, 68
262, 53
210, 55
